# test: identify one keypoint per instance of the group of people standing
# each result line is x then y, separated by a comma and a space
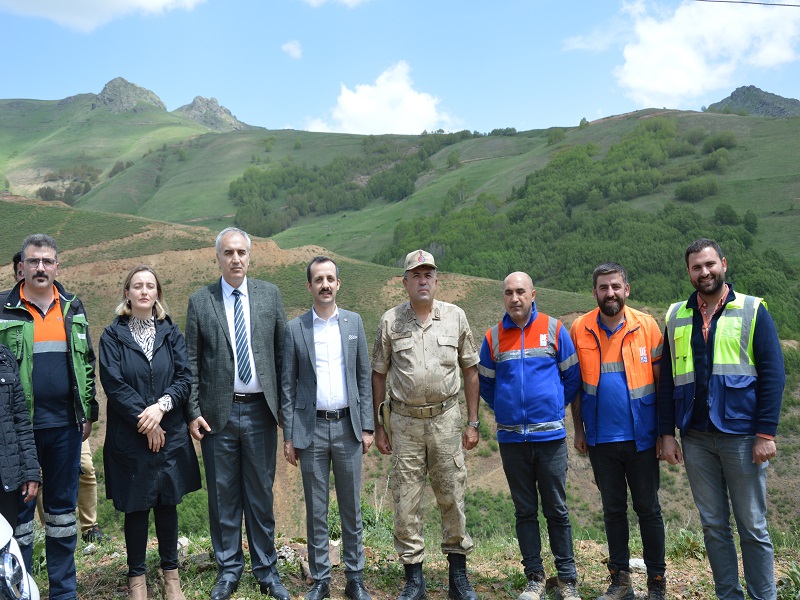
242, 371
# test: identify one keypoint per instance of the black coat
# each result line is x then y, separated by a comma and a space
136, 476
18, 463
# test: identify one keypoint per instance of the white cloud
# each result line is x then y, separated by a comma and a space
87, 15
390, 105
677, 57
293, 49
347, 3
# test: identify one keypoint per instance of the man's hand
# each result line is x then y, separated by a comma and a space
763, 450
29, 489
199, 428
382, 440
366, 441
87, 430
470, 438
580, 440
156, 438
670, 450
289, 453
150, 418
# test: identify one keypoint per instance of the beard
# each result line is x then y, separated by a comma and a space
710, 286
611, 308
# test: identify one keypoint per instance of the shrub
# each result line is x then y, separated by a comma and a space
696, 189
719, 159
687, 544
695, 135
722, 139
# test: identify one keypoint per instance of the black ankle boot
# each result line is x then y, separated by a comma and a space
460, 588
415, 583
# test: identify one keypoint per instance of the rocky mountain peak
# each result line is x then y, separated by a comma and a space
751, 100
120, 95
209, 113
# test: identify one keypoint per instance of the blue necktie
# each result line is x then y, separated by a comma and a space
242, 350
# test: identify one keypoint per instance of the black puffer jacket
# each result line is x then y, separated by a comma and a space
136, 476
18, 462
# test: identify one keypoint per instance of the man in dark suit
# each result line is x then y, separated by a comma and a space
234, 334
327, 421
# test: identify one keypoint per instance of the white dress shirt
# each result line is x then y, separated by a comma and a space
227, 294
331, 380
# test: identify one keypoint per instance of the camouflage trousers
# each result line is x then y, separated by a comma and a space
430, 447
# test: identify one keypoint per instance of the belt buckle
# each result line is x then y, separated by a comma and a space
328, 414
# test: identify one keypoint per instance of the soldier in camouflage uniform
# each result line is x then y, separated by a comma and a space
420, 347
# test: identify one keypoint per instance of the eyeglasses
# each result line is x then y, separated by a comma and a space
33, 263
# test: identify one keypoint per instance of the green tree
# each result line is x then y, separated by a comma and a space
724, 214
555, 135
453, 160
750, 221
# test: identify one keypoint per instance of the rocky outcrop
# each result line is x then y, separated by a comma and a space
209, 113
750, 100
121, 96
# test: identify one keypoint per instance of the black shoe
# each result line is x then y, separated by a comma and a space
355, 590
319, 591
93, 535
275, 589
460, 587
223, 589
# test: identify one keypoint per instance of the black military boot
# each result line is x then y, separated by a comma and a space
415, 583
460, 588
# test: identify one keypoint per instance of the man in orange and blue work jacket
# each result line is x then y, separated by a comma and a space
619, 350
528, 373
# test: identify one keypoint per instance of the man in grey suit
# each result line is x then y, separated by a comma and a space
234, 334
327, 421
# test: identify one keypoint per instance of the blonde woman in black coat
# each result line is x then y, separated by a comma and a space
150, 462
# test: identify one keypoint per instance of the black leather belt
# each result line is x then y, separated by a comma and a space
247, 398
332, 415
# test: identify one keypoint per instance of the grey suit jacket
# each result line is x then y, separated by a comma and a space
299, 377
211, 351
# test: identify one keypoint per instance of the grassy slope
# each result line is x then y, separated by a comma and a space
197, 167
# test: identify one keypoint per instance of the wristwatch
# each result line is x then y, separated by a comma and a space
475, 424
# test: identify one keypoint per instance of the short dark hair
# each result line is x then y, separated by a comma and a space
607, 268
39, 240
699, 246
317, 260
17, 260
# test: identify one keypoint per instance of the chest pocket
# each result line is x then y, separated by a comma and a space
402, 344
80, 338
448, 350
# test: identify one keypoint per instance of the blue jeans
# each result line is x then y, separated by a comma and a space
720, 468
618, 466
59, 451
542, 465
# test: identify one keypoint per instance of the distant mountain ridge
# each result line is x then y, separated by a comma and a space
751, 100
122, 96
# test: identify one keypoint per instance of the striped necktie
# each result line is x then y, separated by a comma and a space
242, 350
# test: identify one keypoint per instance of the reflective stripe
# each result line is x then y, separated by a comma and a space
684, 379
590, 389
536, 352
495, 341
645, 390
60, 526
485, 371
59, 520
612, 367
749, 370
49, 347
510, 355
23, 532
532, 427
568, 362
658, 351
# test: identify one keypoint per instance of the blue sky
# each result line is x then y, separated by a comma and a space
403, 66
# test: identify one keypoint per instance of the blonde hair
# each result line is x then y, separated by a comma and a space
159, 308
